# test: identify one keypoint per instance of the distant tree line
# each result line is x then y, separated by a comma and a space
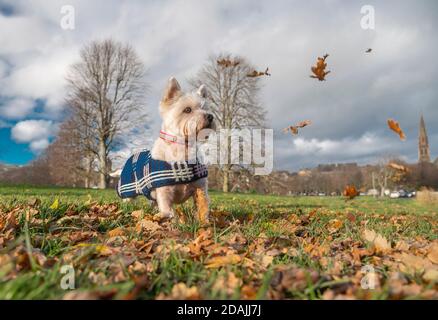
105, 112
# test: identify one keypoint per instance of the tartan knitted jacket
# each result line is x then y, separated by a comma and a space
141, 174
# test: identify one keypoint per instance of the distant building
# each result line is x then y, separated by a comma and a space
423, 143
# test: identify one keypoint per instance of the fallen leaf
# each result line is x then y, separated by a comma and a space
227, 284
378, 241
55, 204
33, 202
117, 232
180, 291
334, 225
147, 225
138, 214
433, 253
431, 275
221, 261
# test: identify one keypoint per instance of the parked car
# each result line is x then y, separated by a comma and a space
402, 194
394, 195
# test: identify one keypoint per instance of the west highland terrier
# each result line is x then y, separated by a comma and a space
171, 173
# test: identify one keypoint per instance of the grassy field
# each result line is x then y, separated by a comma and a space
257, 247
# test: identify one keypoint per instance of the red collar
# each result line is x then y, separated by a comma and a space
172, 138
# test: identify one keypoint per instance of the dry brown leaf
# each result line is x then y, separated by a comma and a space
226, 63
147, 225
351, 192
138, 214
256, 73
80, 295
433, 253
413, 264
221, 261
379, 242
398, 167
318, 71
394, 126
431, 275
117, 232
334, 225
180, 291
294, 129
227, 284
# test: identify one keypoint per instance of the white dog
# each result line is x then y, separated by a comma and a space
167, 174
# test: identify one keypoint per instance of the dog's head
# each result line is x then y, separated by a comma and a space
185, 114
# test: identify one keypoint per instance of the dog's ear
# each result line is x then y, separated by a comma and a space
202, 91
173, 90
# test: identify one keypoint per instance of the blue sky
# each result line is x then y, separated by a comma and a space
174, 38
11, 152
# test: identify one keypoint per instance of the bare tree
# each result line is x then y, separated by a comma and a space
383, 174
64, 157
106, 98
233, 98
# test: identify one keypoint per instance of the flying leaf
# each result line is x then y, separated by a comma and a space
394, 126
226, 63
256, 73
351, 192
294, 129
319, 69
55, 204
398, 167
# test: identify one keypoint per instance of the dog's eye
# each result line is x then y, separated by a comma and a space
187, 110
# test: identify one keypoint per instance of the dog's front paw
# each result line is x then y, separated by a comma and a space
164, 216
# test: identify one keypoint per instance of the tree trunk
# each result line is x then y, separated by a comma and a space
226, 179
87, 172
103, 165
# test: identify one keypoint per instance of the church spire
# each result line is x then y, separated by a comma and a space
423, 143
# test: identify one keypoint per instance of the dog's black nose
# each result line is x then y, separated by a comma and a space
210, 117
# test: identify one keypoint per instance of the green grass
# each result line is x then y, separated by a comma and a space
258, 215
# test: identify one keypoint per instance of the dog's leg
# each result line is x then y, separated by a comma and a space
202, 203
164, 202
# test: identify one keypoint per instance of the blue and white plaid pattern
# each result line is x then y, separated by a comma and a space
141, 174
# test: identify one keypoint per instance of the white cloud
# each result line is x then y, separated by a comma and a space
348, 147
17, 108
34, 132
39, 145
